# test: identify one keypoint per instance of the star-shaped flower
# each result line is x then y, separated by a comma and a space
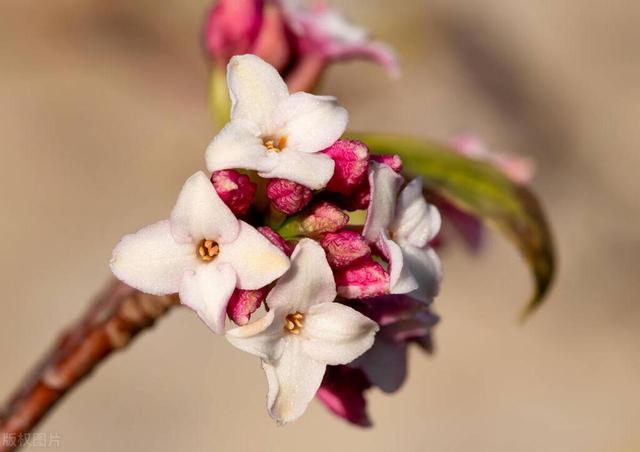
275, 133
303, 331
402, 227
203, 252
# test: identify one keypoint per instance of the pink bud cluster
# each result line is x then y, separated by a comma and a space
299, 42
360, 269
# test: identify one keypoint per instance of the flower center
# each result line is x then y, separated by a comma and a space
207, 250
293, 322
275, 144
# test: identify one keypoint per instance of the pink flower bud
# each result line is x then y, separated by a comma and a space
344, 248
232, 28
362, 280
235, 189
276, 239
351, 163
324, 217
342, 392
391, 160
243, 303
287, 196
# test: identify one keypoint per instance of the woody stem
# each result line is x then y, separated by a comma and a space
111, 322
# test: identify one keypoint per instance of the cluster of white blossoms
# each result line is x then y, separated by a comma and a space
282, 152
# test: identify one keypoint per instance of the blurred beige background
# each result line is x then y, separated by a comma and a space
103, 116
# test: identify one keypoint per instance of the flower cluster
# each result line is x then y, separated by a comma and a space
325, 244
299, 42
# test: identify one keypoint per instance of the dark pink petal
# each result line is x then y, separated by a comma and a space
344, 248
470, 228
276, 239
287, 196
342, 392
359, 199
243, 303
323, 218
235, 189
362, 280
351, 163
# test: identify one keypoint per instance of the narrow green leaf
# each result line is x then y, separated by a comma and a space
483, 191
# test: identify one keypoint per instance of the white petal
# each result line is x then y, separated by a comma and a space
385, 184
336, 334
310, 170
256, 261
425, 266
207, 291
310, 123
401, 279
238, 145
262, 338
385, 365
200, 214
416, 221
308, 281
151, 260
255, 88
293, 381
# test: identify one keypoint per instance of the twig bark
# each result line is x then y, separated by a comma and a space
114, 319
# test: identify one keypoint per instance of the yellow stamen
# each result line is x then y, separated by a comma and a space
293, 323
207, 250
271, 145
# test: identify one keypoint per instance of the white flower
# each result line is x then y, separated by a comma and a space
402, 227
303, 331
272, 132
203, 252
327, 31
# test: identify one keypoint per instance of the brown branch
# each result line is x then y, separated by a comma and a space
115, 318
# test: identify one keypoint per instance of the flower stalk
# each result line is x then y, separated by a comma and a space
114, 319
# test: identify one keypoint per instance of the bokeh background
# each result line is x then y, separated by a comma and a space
103, 115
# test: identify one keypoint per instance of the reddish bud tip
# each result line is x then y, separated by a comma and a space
235, 189
287, 196
243, 303
351, 163
344, 248
276, 239
363, 280
324, 217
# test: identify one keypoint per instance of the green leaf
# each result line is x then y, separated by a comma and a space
481, 190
